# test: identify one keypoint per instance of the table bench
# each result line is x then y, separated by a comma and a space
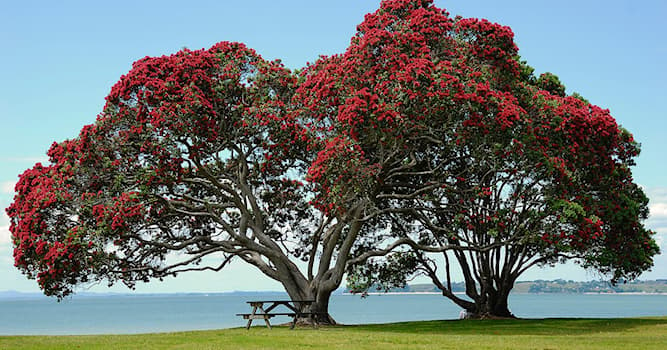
260, 313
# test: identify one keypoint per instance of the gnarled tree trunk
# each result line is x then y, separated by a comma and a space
317, 311
487, 289
491, 305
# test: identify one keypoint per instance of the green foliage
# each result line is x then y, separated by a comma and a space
550, 82
570, 210
580, 98
389, 275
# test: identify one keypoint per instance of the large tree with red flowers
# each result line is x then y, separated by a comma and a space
193, 162
469, 157
427, 137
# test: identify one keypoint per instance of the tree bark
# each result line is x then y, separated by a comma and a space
487, 300
494, 305
319, 308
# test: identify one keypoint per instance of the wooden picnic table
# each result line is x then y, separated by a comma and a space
259, 312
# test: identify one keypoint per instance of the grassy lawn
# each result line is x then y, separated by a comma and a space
607, 334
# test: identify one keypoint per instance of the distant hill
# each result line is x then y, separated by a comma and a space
19, 295
563, 286
555, 286
539, 286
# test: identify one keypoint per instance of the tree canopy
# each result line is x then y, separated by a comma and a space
186, 151
427, 139
506, 171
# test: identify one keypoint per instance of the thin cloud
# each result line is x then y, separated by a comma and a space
5, 236
5, 241
7, 186
656, 194
661, 238
657, 206
658, 210
34, 159
657, 220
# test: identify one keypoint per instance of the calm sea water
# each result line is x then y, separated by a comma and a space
143, 314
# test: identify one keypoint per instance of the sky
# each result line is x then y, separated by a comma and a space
59, 60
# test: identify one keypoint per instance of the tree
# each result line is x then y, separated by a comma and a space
428, 135
475, 159
194, 161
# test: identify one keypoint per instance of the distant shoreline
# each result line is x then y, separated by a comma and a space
522, 293
614, 293
4, 295
559, 286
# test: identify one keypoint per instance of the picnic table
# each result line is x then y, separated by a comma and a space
259, 312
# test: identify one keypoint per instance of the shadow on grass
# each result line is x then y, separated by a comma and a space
552, 326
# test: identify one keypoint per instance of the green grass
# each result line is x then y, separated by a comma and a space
607, 334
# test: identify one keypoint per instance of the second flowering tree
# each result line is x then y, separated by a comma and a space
480, 169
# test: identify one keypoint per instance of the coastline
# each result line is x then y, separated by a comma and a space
522, 293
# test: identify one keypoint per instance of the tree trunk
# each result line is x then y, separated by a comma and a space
328, 277
486, 298
493, 304
318, 311
320, 308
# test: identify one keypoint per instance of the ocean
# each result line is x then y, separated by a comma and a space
125, 314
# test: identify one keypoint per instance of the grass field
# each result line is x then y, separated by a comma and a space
607, 334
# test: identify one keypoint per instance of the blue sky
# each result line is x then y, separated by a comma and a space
60, 59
